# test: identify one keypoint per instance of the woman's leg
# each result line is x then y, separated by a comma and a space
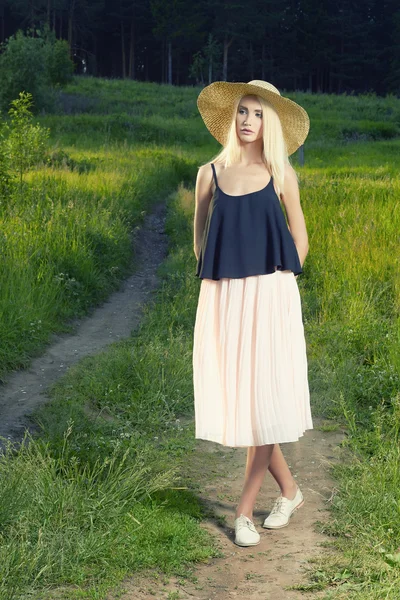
280, 471
258, 458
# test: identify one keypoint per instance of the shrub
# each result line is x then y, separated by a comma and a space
60, 67
26, 141
6, 177
34, 65
23, 67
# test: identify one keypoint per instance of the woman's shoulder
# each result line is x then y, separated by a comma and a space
206, 167
205, 177
290, 173
205, 171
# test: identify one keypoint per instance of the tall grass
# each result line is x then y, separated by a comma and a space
66, 241
352, 287
99, 494
131, 406
62, 522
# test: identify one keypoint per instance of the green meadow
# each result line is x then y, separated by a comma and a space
99, 494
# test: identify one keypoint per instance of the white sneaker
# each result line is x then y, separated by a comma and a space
283, 510
245, 532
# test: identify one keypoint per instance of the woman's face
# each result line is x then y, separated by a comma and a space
249, 117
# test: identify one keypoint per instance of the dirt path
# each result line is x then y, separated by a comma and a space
114, 320
262, 572
215, 473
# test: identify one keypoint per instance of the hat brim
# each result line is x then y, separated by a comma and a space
216, 101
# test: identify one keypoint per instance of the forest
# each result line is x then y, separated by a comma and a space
315, 46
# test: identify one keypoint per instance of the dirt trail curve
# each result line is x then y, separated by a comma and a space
268, 570
114, 320
263, 572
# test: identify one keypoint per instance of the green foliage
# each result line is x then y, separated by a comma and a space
26, 141
206, 61
23, 67
198, 66
66, 240
68, 245
65, 522
369, 130
99, 495
60, 67
6, 177
22, 145
34, 65
365, 525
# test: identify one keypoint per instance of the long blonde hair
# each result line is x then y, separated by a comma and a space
274, 152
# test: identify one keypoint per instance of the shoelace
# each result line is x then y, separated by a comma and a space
249, 523
279, 505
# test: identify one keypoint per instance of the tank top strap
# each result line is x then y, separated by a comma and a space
214, 174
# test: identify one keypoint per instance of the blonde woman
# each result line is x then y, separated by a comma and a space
249, 352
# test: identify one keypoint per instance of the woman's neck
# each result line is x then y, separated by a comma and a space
251, 153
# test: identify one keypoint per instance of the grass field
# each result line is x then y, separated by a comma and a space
76, 503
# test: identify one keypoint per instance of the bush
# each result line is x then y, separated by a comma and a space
6, 177
22, 144
369, 130
34, 65
60, 67
23, 68
26, 141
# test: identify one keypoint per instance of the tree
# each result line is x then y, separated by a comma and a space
26, 141
301, 44
34, 65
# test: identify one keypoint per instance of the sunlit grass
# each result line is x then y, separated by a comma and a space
65, 245
66, 238
350, 293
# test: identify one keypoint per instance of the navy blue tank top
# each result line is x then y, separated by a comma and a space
246, 235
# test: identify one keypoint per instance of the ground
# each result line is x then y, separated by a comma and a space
114, 320
263, 572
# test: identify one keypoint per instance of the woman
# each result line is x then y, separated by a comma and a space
249, 351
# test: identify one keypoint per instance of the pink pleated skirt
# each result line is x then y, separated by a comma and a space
249, 361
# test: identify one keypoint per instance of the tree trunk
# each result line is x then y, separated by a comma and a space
251, 62
60, 34
49, 13
32, 16
71, 24
2, 27
178, 63
162, 61
210, 70
318, 80
263, 62
132, 50
340, 78
123, 50
169, 62
91, 65
225, 61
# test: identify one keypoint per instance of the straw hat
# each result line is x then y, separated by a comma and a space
216, 101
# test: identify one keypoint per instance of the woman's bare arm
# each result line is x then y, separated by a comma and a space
203, 195
294, 212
